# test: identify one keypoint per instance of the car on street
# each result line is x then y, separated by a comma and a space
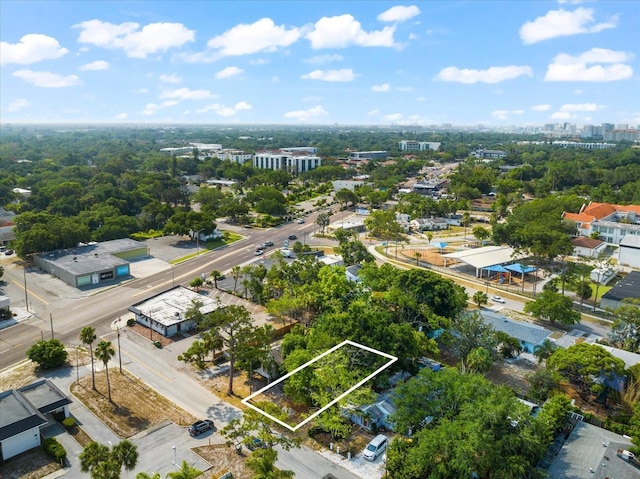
497, 299
199, 427
300, 221
254, 443
8, 252
293, 237
259, 252
268, 243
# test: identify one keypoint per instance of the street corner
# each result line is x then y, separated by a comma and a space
120, 322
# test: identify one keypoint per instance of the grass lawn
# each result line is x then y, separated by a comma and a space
229, 238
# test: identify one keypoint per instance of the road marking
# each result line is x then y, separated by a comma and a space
155, 371
30, 292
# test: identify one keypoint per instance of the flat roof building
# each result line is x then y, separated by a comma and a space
412, 145
165, 312
92, 264
289, 160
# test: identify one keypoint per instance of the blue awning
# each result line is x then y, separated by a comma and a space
496, 268
520, 268
439, 244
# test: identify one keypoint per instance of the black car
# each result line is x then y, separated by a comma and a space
199, 427
293, 237
268, 243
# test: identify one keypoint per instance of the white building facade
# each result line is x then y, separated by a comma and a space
292, 161
412, 145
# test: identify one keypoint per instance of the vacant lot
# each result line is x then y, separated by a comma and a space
135, 406
224, 459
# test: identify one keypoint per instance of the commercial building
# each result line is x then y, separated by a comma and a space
368, 155
412, 145
611, 222
236, 156
629, 251
92, 264
166, 312
626, 288
288, 160
489, 154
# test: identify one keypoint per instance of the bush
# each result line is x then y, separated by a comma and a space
131, 322
69, 422
314, 431
54, 448
48, 354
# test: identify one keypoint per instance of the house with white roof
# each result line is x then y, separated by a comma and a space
531, 336
629, 251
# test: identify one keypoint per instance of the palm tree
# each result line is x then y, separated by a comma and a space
480, 298
144, 475
479, 360
216, 275
546, 349
262, 463
88, 336
236, 272
92, 455
104, 352
466, 221
417, 255
126, 453
185, 472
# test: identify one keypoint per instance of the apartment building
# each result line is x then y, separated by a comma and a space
286, 159
611, 222
412, 145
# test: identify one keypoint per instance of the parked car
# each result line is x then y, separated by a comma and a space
300, 221
259, 252
497, 299
8, 252
199, 427
293, 237
254, 443
376, 447
268, 243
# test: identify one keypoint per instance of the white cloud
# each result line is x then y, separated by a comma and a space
381, 88
393, 117
121, 116
581, 107
305, 115
258, 61
322, 59
262, 35
575, 68
404, 88
505, 114
229, 72
558, 23
344, 30
47, 79
578, 91
562, 115
373, 113
32, 48
152, 108
95, 66
399, 13
18, 104
541, 107
226, 111
186, 94
152, 38
491, 75
343, 75
170, 78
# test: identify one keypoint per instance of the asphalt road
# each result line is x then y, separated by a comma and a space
70, 310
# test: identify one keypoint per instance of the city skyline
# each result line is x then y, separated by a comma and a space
362, 63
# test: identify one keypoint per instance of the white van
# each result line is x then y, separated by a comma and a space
377, 445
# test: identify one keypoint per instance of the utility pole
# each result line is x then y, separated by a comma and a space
26, 297
119, 350
77, 370
51, 322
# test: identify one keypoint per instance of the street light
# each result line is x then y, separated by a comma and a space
174, 455
26, 297
119, 350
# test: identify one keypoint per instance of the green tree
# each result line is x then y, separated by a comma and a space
582, 364
543, 383
104, 352
546, 349
144, 475
262, 463
93, 454
216, 275
480, 298
554, 413
480, 233
625, 332
48, 353
104, 463
478, 360
465, 221
472, 332
553, 307
323, 221
583, 291
196, 283
88, 336
186, 471
346, 196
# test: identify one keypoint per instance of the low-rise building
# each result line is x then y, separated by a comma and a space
626, 288
289, 160
412, 145
588, 247
165, 313
489, 154
611, 222
629, 251
25, 411
531, 336
368, 155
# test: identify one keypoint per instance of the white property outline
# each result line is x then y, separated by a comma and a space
246, 400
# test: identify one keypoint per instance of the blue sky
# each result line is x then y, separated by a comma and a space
307, 62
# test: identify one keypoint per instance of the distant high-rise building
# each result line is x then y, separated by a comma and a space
412, 145
622, 126
607, 127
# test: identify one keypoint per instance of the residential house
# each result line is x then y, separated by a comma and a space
588, 247
353, 272
7, 225
374, 417
592, 452
611, 222
626, 288
429, 224
629, 251
24, 412
531, 336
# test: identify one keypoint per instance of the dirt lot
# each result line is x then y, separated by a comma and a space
32, 464
224, 459
135, 406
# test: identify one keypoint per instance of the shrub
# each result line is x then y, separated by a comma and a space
47, 353
69, 422
54, 448
131, 322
